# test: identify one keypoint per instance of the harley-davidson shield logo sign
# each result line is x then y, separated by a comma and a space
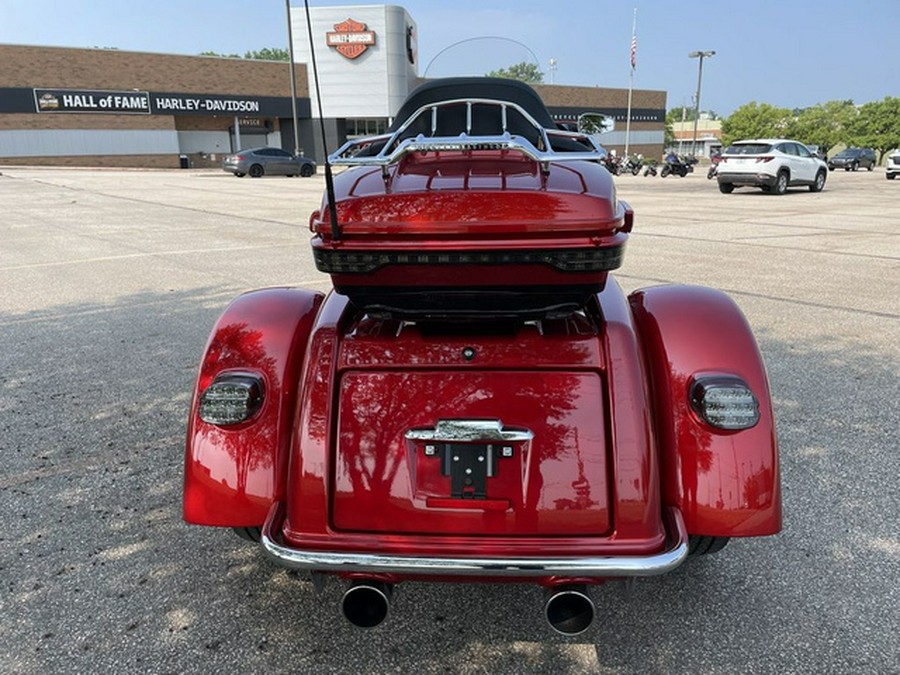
350, 38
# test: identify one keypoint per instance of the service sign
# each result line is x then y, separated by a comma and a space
91, 101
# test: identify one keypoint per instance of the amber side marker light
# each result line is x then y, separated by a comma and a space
725, 402
231, 399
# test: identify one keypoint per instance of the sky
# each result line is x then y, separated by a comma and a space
788, 53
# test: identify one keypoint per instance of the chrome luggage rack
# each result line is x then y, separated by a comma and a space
396, 146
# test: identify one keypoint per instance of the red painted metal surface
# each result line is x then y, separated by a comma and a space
234, 474
726, 483
470, 197
486, 201
555, 484
567, 369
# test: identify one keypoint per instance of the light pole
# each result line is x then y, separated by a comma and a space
701, 56
293, 75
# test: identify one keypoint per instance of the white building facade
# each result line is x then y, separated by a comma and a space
367, 61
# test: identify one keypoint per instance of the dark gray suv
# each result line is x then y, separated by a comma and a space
852, 159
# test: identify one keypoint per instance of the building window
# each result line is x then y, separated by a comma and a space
359, 128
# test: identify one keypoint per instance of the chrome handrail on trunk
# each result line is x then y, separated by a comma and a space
396, 146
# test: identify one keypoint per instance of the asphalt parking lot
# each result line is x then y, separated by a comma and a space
109, 284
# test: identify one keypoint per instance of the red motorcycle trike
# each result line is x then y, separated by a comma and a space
477, 400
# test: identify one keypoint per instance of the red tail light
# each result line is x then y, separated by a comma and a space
767, 158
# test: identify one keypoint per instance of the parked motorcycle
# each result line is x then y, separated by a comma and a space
678, 165
651, 169
634, 164
613, 164
714, 166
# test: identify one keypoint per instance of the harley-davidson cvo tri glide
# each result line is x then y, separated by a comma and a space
477, 399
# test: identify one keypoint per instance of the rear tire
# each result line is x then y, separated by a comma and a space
855, 166
256, 171
726, 188
239, 175
666, 170
306, 171
699, 545
781, 183
251, 534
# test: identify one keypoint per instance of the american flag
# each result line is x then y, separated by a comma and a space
633, 50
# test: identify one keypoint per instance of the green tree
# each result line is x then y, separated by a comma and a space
824, 124
524, 72
221, 56
264, 54
269, 54
877, 126
680, 114
756, 120
669, 134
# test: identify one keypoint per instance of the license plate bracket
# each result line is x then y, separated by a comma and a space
468, 465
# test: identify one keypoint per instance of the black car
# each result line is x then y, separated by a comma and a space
852, 159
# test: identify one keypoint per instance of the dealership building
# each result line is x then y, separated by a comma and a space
106, 107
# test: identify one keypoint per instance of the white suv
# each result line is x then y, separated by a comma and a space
770, 164
893, 165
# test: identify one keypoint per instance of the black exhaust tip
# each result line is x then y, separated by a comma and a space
366, 604
569, 610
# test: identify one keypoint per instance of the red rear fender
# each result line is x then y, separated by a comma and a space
726, 483
234, 474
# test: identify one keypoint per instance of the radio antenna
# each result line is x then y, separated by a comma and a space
329, 178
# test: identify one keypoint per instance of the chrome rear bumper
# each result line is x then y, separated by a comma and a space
586, 566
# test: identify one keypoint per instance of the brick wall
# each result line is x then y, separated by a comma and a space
597, 97
63, 67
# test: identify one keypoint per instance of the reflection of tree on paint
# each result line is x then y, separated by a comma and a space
694, 451
581, 487
758, 488
383, 408
251, 448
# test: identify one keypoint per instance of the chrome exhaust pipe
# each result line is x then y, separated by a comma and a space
366, 603
569, 609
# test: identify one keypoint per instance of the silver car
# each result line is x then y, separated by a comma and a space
259, 162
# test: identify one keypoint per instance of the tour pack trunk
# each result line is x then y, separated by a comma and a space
490, 235
471, 206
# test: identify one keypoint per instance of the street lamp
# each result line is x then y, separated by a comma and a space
701, 56
293, 75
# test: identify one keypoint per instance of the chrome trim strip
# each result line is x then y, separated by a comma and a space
469, 431
587, 566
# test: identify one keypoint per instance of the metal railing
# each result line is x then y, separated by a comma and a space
399, 143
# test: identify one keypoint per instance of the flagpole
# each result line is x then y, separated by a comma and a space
631, 81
